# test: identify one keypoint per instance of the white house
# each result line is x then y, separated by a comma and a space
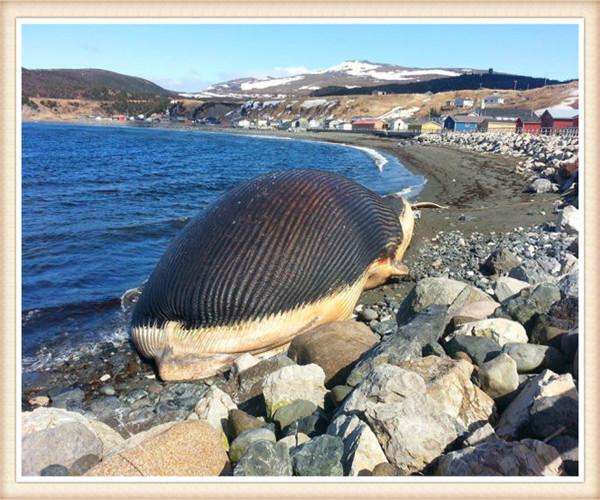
493, 100
315, 123
461, 102
244, 123
262, 123
399, 124
345, 126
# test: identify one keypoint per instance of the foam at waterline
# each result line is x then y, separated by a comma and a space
378, 158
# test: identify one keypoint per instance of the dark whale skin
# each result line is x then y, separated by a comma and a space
277, 242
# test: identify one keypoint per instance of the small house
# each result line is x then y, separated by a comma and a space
431, 127
529, 124
493, 100
244, 123
368, 124
119, 118
399, 124
461, 102
560, 118
315, 123
460, 123
494, 125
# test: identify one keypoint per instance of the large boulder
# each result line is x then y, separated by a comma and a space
479, 349
249, 383
335, 347
362, 451
506, 287
448, 383
530, 302
264, 458
411, 426
500, 458
191, 448
530, 271
423, 329
570, 219
55, 436
214, 407
443, 291
500, 330
241, 443
516, 418
321, 456
534, 357
500, 262
294, 382
499, 376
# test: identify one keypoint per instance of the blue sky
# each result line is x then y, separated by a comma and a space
191, 57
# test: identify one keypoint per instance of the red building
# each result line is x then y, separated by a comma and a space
560, 118
368, 124
529, 125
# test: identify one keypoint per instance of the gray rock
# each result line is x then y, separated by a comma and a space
569, 285
108, 390
368, 314
541, 186
394, 402
55, 436
320, 456
530, 271
570, 219
250, 383
241, 443
264, 458
294, 411
339, 393
479, 349
70, 399
500, 330
362, 451
529, 302
507, 287
134, 395
55, 470
407, 343
498, 376
294, 382
500, 262
442, 291
568, 447
499, 458
214, 407
533, 357
515, 419
141, 419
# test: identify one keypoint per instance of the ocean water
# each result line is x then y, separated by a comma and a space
100, 205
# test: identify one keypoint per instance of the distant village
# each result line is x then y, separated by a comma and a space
457, 115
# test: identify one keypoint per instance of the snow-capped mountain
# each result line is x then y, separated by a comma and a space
349, 74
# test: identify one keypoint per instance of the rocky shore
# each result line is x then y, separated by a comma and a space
467, 367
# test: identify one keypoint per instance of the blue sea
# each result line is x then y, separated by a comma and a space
100, 205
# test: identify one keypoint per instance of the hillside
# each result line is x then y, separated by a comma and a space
460, 82
346, 75
96, 84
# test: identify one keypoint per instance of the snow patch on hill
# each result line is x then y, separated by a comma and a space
272, 82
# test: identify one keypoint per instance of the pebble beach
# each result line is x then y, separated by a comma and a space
467, 367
